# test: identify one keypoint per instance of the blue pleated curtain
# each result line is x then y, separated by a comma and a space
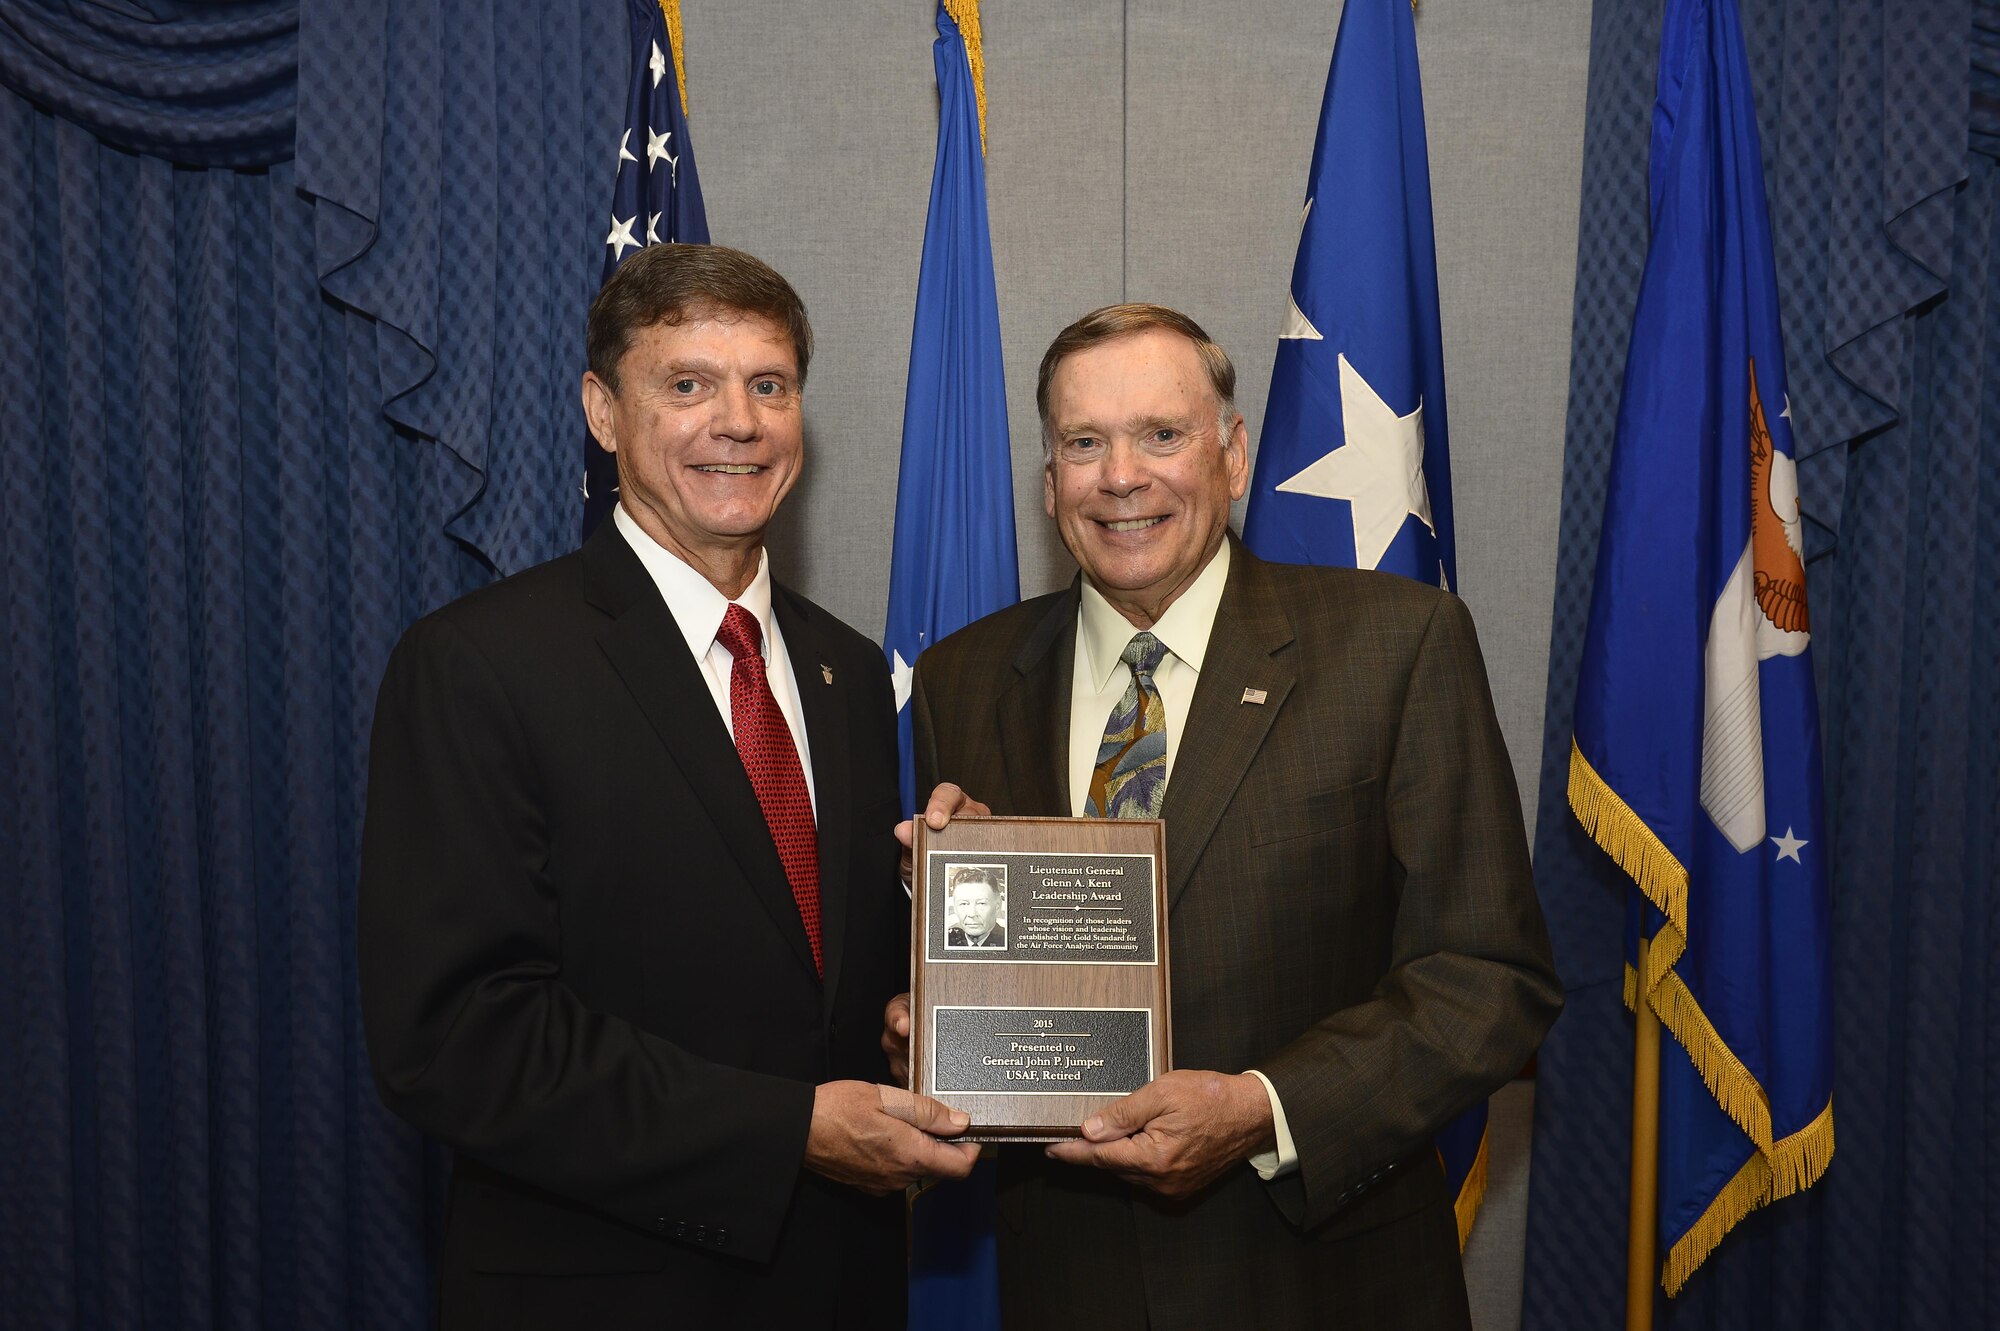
1881, 124
291, 308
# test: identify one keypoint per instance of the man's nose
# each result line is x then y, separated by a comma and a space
1124, 469
735, 413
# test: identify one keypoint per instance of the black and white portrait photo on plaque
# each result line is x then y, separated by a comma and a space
976, 906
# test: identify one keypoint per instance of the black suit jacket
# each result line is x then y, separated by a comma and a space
582, 967
1352, 915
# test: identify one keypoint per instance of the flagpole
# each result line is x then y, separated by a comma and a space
1640, 1261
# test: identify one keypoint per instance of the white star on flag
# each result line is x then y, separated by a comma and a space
652, 228
1789, 847
656, 147
1297, 326
1379, 471
900, 675
621, 236
658, 64
625, 148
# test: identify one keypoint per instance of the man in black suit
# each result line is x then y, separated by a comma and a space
629, 900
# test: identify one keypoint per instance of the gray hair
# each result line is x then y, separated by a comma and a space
1115, 321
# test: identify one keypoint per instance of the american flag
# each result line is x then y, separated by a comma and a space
655, 199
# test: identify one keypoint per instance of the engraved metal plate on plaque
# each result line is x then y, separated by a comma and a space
1039, 975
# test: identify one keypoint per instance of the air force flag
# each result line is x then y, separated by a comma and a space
1352, 467
953, 562
1696, 763
953, 559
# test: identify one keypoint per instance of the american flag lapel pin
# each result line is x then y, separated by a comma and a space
1256, 696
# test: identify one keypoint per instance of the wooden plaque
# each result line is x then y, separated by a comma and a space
1038, 969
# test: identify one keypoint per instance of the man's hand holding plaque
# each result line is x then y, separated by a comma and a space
945, 803
1177, 1134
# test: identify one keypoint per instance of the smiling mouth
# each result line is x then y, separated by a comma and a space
730, 468
1135, 524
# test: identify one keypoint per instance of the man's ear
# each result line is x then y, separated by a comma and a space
1237, 454
1049, 488
598, 404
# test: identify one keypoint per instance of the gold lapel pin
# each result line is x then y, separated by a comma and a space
826, 672
1255, 695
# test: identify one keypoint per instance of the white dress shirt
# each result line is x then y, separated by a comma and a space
698, 608
1099, 681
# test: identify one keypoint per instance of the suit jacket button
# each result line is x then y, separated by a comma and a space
721, 1237
701, 1233
680, 1229
660, 1225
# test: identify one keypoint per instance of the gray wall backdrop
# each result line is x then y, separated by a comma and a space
1148, 150
1157, 150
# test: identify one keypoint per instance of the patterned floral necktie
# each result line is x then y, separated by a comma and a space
1130, 779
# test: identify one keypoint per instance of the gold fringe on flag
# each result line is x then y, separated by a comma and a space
1624, 836
965, 13
672, 10
1472, 1192
1734, 1087
1778, 1169
1801, 1159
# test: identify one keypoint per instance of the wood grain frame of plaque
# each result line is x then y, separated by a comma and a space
1038, 964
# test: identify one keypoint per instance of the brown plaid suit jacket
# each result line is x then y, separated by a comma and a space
1352, 915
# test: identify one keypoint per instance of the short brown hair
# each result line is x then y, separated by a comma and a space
1116, 321
669, 284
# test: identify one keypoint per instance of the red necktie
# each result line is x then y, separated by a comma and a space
764, 742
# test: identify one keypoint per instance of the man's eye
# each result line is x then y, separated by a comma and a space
1164, 435
767, 388
685, 385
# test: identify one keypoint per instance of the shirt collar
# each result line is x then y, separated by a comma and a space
1184, 628
696, 605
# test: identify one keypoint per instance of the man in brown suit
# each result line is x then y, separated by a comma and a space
1357, 951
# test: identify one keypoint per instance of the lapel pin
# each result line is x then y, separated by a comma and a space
826, 672
1255, 695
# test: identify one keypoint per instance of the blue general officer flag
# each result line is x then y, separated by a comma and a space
655, 199
954, 557
1697, 758
1352, 466
953, 562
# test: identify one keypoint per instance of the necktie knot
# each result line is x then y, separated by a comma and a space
740, 633
1143, 654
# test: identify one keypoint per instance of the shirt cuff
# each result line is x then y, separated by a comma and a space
1284, 1160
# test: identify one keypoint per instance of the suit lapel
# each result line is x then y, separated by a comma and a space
823, 695
1224, 733
1037, 705
651, 657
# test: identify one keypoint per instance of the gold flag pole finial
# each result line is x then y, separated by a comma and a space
672, 10
965, 13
